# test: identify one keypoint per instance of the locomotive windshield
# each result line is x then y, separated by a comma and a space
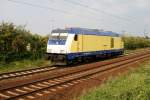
58, 38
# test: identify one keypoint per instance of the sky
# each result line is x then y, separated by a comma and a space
41, 16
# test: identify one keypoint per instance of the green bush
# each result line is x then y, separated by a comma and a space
136, 42
14, 41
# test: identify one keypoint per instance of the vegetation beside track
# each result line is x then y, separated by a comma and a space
22, 65
17, 43
135, 50
134, 86
131, 43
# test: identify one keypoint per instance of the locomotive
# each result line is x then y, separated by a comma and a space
69, 45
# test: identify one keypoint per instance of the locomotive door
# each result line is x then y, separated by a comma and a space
80, 43
76, 39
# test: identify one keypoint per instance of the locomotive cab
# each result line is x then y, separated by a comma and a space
57, 43
58, 47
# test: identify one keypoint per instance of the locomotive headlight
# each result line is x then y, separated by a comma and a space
62, 51
49, 50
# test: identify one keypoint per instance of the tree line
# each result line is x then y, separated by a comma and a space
17, 43
131, 42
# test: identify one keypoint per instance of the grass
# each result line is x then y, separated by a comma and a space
135, 50
22, 65
134, 86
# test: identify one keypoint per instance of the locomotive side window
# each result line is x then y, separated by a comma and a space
76, 37
112, 42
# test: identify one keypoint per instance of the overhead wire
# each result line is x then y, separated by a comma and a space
98, 19
39, 6
46, 7
98, 10
88, 12
64, 11
97, 14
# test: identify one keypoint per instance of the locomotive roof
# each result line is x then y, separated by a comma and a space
85, 31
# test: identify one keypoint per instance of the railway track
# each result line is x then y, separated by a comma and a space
50, 85
26, 72
33, 71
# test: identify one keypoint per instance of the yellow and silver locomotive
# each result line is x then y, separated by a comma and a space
70, 45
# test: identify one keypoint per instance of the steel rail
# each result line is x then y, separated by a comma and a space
86, 73
67, 71
15, 74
